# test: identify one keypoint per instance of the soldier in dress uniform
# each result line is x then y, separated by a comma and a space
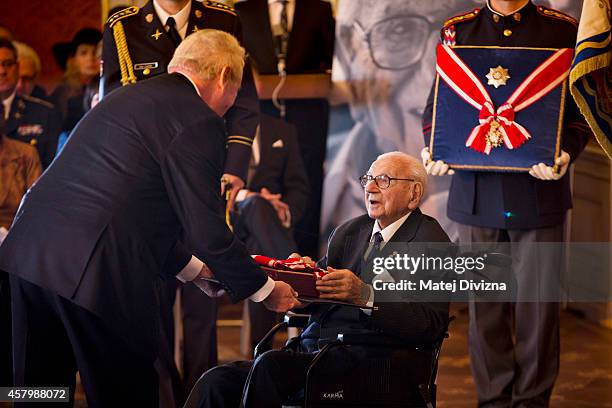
514, 366
28, 119
139, 42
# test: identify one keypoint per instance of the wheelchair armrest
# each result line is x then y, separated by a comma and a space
296, 320
290, 320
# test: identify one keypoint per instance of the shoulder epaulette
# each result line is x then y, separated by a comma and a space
461, 18
38, 101
121, 14
552, 13
219, 6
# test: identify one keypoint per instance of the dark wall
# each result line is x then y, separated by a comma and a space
42, 23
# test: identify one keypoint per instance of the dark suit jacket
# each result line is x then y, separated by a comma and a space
150, 55
281, 169
311, 41
515, 200
415, 322
36, 122
139, 171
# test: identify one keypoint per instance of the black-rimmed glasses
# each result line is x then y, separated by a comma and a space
382, 181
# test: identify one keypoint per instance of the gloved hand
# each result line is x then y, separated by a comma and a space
544, 172
435, 168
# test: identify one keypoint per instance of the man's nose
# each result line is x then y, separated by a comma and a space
371, 186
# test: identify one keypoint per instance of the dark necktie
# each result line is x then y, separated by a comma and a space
172, 31
374, 251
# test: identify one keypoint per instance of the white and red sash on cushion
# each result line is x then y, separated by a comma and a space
498, 126
289, 264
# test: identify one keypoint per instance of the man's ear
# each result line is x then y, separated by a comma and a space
416, 196
226, 73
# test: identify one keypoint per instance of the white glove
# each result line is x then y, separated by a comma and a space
544, 172
435, 168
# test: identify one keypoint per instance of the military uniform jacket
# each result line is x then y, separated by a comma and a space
139, 172
138, 37
36, 122
513, 200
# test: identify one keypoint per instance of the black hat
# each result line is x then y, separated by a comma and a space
63, 50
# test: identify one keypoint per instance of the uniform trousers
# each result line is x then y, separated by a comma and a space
53, 338
514, 346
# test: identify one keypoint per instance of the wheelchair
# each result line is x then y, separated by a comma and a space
391, 373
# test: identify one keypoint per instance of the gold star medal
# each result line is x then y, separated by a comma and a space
498, 76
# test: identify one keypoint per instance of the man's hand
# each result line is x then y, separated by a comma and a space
236, 185
343, 285
306, 259
282, 298
435, 168
202, 281
282, 208
544, 172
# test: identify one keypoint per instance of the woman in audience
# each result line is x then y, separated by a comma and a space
80, 59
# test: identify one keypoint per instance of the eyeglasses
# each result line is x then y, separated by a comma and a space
6, 64
382, 181
398, 42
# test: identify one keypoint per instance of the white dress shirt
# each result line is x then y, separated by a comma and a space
7, 104
194, 266
274, 10
387, 233
181, 18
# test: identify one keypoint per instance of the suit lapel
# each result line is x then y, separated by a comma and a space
266, 37
155, 32
16, 113
358, 247
409, 228
296, 26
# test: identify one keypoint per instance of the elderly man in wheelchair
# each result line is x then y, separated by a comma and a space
369, 352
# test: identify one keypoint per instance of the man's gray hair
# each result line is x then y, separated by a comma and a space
25, 52
205, 53
410, 167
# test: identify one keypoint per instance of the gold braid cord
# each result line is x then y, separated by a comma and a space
125, 61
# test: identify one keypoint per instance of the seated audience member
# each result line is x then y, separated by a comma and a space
30, 120
80, 59
19, 168
393, 188
299, 35
274, 200
29, 69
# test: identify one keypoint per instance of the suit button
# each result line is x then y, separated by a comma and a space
146, 71
507, 33
33, 142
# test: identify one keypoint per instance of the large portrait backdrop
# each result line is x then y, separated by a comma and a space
383, 70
